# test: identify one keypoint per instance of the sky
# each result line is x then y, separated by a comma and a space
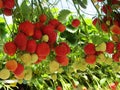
63, 5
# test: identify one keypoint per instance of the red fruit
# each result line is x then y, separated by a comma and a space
116, 57
42, 18
61, 27
31, 46
75, 23
19, 69
68, 48
58, 88
89, 49
62, 49
37, 34
100, 0
110, 47
54, 22
118, 46
10, 48
52, 37
104, 27
115, 29
112, 86
47, 29
115, 1
90, 59
20, 41
63, 60
38, 25
7, 12
1, 4
26, 27
106, 9
8, 4
42, 49
96, 21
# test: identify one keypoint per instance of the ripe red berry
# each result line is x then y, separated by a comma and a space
104, 27
38, 25
26, 27
7, 12
1, 4
63, 60
61, 27
31, 46
19, 69
115, 29
106, 9
116, 57
8, 4
90, 59
58, 88
21, 41
89, 49
10, 48
96, 21
42, 49
100, 0
75, 23
52, 37
110, 47
42, 18
54, 22
37, 34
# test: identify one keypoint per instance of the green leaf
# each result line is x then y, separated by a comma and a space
102, 81
81, 3
63, 15
97, 39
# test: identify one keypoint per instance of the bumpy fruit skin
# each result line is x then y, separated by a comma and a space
4, 74
59, 88
26, 27
11, 65
89, 49
1, 4
110, 47
90, 59
96, 21
106, 9
43, 49
37, 34
63, 60
45, 38
8, 4
20, 41
61, 28
115, 29
19, 69
42, 18
31, 46
10, 48
52, 37
118, 46
53, 66
116, 57
104, 27
113, 86
26, 58
54, 23
21, 76
7, 12
75, 23
47, 29
62, 49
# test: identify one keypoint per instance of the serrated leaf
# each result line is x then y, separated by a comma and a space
63, 15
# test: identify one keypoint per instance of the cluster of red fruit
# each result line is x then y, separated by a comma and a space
92, 51
110, 22
7, 6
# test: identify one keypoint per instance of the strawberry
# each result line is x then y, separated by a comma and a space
62, 49
68, 48
54, 22
38, 25
89, 49
116, 57
115, 38
31, 46
47, 29
63, 60
90, 59
58, 88
61, 27
115, 1
19, 69
1, 4
104, 27
113, 86
118, 46
42, 49
8, 4
21, 41
45, 38
37, 34
75, 23
26, 27
7, 12
10, 48
110, 47
42, 18
115, 29
96, 21
52, 37
106, 9
100, 0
